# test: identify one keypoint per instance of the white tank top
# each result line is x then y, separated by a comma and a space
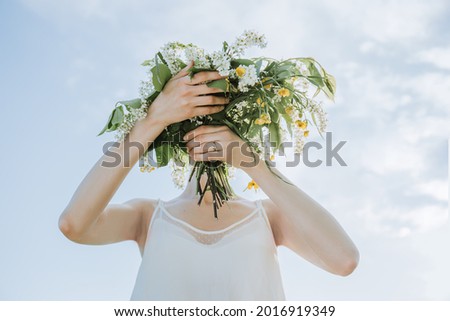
182, 262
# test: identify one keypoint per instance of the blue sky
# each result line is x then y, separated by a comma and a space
65, 63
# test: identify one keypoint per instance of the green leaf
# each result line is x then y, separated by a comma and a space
225, 46
288, 121
146, 63
164, 153
220, 84
237, 62
161, 75
274, 116
330, 86
275, 135
258, 65
108, 123
114, 120
133, 103
253, 130
117, 118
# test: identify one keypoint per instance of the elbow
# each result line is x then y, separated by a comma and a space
68, 228
349, 265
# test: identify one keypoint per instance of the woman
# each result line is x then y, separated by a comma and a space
187, 254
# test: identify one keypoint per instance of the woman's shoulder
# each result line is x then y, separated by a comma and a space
143, 205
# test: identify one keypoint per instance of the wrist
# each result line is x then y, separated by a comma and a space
146, 130
256, 168
154, 115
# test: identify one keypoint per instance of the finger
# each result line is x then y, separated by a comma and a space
204, 76
205, 90
212, 139
207, 156
207, 110
204, 146
204, 129
210, 100
184, 72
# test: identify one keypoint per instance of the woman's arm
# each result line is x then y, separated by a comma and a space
298, 221
303, 225
88, 218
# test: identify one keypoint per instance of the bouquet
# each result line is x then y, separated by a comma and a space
267, 97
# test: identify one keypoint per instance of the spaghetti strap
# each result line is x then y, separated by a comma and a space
263, 212
154, 214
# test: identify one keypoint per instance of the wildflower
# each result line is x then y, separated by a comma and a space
221, 62
198, 55
289, 110
252, 184
306, 133
266, 86
248, 78
260, 102
246, 40
240, 71
272, 157
284, 92
259, 121
263, 119
301, 124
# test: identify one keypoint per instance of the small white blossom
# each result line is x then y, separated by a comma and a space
221, 62
248, 39
178, 174
171, 53
198, 55
249, 78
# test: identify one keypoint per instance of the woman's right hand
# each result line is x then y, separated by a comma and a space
183, 98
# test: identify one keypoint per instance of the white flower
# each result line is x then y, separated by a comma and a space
197, 54
221, 62
248, 39
320, 115
248, 79
146, 89
178, 174
171, 53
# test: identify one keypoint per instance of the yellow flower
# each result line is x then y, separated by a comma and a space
306, 133
266, 118
267, 86
142, 169
263, 119
252, 184
259, 121
240, 71
301, 124
289, 110
260, 102
272, 157
284, 92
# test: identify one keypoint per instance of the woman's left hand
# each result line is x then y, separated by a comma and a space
212, 142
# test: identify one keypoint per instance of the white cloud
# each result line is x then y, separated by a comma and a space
438, 56
386, 21
396, 221
438, 189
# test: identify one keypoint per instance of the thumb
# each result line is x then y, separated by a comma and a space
185, 71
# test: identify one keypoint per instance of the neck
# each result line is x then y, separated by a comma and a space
190, 190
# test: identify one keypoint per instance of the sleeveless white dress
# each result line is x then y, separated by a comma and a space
182, 262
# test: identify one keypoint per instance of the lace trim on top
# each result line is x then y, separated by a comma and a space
205, 236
